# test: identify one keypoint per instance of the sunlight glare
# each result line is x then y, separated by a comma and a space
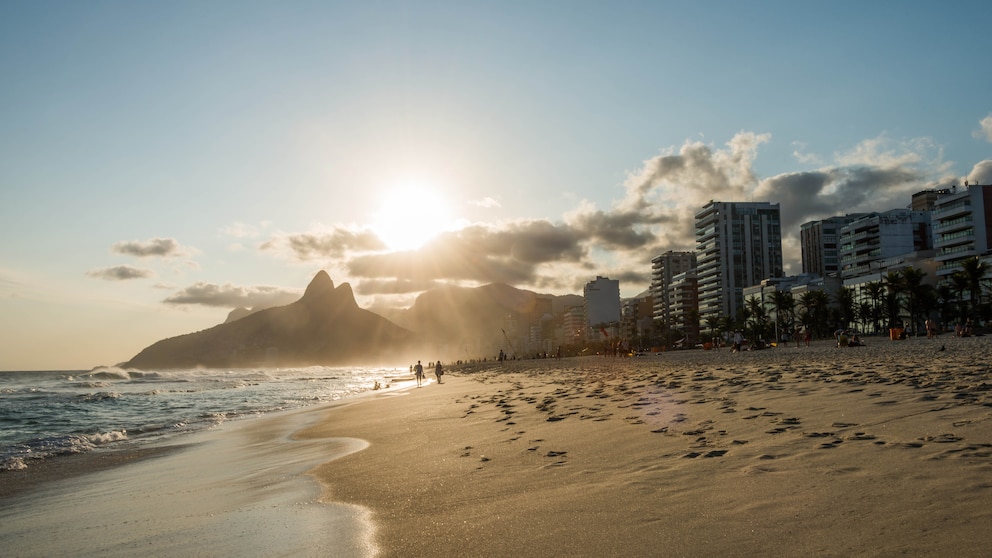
410, 215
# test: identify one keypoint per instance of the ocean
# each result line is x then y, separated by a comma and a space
45, 415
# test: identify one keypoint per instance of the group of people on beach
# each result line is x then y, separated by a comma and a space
418, 371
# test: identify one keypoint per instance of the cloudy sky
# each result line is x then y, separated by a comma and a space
162, 163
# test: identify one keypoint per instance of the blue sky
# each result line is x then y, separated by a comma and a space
164, 162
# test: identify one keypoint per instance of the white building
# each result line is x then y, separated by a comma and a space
737, 244
602, 304
683, 302
879, 236
663, 269
962, 226
573, 324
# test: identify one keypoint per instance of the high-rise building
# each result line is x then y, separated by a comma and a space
602, 303
637, 322
878, 236
663, 269
573, 324
821, 244
683, 303
962, 226
737, 244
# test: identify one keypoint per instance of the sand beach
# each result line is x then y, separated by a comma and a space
881, 450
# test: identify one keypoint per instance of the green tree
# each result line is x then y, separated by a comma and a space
916, 295
893, 291
816, 306
784, 309
876, 292
755, 309
845, 305
973, 271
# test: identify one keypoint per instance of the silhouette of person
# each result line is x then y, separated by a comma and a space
438, 371
418, 371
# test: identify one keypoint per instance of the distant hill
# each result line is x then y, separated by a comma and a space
324, 327
474, 320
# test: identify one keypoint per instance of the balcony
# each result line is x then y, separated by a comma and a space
942, 212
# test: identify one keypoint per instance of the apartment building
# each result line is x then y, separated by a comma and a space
683, 304
879, 236
602, 304
663, 269
962, 226
737, 244
820, 242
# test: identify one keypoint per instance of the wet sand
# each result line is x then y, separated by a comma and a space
240, 490
870, 451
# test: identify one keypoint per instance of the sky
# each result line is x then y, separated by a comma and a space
162, 163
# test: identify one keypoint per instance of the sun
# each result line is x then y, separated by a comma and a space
411, 214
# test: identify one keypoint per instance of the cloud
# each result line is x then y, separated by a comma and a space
981, 173
805, 158
120, 273
486, 202
335, 243
233, 296
155, 247
810, 195
986, 129
504, 253
655, 214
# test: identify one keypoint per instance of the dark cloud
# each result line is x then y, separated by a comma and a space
335, 244
507, 254
623, 230
155, 247
120, 273
806, 196
233, 296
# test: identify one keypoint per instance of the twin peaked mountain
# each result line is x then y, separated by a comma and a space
327, 327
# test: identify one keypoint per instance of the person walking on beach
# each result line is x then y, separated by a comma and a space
438, 371
738, 339
418, 371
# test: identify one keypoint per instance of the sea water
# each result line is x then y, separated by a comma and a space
44, 415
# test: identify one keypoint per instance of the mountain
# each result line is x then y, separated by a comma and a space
324, 327
475, 321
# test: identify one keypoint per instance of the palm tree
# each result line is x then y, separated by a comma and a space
973, 271
755, 309
784, 307
945, 303
916, 293
816, 304
713, 324
875, 291
845, 302
865, 313
893, 289
959, 284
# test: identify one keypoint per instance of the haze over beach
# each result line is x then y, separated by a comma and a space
164, 163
